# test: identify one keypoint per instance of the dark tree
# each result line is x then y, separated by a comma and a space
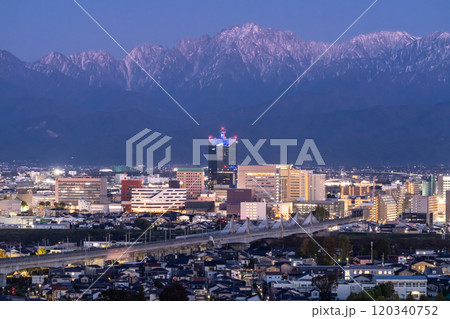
158, 284
142, 223
312, 248
346, 248
121, 295
303, 249
329, 245
440, 297
174, 292
321, 213
382, 246
141, 295
387, 290
380, 292
251, 263
325, 285
410, 298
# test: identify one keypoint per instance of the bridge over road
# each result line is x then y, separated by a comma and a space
244, 235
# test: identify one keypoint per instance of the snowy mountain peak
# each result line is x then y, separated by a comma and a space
249, 53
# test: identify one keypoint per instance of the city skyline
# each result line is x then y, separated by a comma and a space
270, 206
226, 151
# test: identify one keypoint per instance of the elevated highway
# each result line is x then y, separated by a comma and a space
243, 235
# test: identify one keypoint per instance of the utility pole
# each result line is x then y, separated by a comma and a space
371, 252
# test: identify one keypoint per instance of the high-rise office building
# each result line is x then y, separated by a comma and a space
262, 179
282, 183
400, 196
424, 204
193, 180
317, 186
429, 186
385, 208
293, 184
222, 164
443, 185
71, 190
356, 190
447, 207
413, 187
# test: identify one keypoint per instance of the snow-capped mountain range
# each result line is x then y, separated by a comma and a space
254, 55
375, 98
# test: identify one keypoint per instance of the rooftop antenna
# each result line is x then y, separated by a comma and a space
223, 132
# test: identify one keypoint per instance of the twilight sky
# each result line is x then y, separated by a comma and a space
32, 28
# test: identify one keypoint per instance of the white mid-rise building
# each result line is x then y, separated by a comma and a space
157, 200
406, 285
253, 210
99, 208
10, 205
317, 187
424, 204
42, 197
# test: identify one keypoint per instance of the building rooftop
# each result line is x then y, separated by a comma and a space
190, 169
401, 277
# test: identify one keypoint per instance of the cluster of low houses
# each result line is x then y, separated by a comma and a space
226, 274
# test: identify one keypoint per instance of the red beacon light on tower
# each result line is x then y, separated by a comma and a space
222, 133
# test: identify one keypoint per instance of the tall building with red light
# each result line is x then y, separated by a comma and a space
222, 164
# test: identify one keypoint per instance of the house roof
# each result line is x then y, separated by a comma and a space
400, 277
